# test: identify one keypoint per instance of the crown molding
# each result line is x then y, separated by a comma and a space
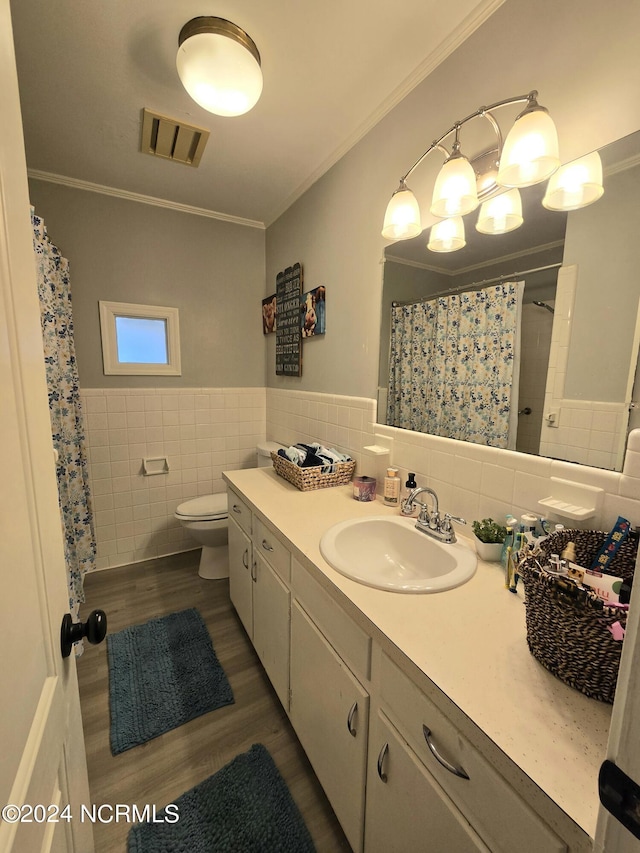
534, 250
114, 192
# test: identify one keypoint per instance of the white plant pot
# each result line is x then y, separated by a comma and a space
490, 552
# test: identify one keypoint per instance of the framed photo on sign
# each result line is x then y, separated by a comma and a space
312, 312
269, 315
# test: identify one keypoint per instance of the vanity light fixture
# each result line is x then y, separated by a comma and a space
219, 66
501, 214
447, 235
575, 185
528, 155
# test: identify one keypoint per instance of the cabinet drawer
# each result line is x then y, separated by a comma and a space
239, 511
350, 641
503, 820
266, 543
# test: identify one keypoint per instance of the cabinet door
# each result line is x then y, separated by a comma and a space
271, 623
240, 568
330, 713
406, 808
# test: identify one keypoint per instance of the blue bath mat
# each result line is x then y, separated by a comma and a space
244, 808
162, 674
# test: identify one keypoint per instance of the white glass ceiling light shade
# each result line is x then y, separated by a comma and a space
219, 66
447, 235
455, 192
530, 152
402, 219
501, 213
575, 185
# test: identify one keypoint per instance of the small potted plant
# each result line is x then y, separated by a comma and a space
489, 537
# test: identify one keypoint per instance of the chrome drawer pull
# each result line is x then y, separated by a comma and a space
266, 545
381, 758
352, 730
245, 558
237, 509
254, 574
457, 771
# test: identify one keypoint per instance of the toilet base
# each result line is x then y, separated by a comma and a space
214, 562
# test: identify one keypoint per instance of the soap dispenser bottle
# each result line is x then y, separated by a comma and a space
409, 486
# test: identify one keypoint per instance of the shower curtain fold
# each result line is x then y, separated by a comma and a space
454, 365
65, 409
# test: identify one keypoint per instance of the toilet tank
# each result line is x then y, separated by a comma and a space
264, 452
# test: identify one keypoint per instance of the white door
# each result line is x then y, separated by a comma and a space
42, 760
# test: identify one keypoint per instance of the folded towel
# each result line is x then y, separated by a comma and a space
314, 455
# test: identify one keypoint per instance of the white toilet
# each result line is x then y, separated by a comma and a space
206, 520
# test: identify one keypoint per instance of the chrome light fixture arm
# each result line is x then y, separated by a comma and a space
481, 112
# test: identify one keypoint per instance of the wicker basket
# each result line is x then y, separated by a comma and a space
307, 479
567, 627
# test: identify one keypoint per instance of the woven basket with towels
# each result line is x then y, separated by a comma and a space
569, 629
307, 479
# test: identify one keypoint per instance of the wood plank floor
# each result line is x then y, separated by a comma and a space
160, 770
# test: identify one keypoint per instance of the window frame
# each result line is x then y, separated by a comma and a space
112, 367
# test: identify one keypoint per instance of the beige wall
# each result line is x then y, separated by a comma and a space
581, 58
124, 251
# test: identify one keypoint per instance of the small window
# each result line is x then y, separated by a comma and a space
139, 340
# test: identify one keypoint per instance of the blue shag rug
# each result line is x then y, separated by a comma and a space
162, 674
244, 808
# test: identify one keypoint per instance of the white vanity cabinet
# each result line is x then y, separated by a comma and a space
240, 572
330, 712
407, 810
498, 815
259, 571
403, 769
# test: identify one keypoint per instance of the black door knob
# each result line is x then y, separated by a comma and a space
94, 629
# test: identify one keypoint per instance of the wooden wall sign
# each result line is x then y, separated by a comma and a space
288, 337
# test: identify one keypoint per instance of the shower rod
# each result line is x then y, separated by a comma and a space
484, 283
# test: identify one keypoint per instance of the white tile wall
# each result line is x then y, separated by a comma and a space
202, 431
471, 481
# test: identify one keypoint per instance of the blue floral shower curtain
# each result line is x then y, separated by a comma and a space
65, 410
453, 362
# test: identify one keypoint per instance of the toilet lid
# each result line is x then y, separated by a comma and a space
209, 507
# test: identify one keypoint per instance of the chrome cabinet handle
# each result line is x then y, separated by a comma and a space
245, 558
381, 758
236, 509
457, 771
266, 545
351, 728
254, 572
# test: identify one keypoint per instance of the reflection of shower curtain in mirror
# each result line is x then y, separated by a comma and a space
52, 271
454, 365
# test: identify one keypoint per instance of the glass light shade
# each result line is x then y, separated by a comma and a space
402, 219
219, 73
501, 213
530, 152
447, 235
455, 192
576, 184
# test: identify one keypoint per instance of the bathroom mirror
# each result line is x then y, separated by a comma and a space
577, 399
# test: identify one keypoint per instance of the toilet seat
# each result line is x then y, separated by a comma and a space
205, 508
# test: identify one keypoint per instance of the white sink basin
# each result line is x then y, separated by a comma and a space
387, 552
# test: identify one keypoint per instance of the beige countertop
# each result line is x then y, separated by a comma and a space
470, 641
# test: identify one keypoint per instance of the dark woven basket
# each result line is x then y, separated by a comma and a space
567, 627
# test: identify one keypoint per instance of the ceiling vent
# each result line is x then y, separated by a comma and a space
173, 140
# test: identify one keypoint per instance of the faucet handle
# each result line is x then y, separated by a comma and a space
447, 519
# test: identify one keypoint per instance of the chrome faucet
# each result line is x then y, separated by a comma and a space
429, 522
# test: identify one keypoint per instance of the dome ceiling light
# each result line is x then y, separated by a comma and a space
219, 66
